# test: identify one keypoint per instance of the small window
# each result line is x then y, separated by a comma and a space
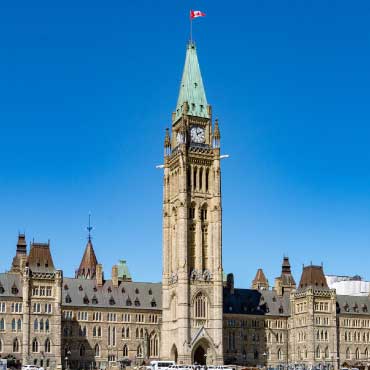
137, 291
80, 288
128, 302
137, 302
112, 302
68, 299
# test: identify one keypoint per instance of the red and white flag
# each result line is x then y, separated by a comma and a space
196, 14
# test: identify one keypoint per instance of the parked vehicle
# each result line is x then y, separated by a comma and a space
30, 367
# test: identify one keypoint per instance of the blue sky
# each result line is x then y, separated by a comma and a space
88, 87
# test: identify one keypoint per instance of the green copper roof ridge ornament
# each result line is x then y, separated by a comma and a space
192, 89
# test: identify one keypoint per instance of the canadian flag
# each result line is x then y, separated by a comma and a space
196, 14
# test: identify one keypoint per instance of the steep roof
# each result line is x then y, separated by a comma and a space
7, 282
85, 293
260, 279
88, 263
191, 88
255, 302
40, 258
355, 305
123, 271
313, 276
286, 273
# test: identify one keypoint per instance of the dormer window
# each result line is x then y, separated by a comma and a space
68, 299
112, 302
153, 303
128, 302
14, 289
346, 307
274, 299
94, 300
123, 290
86, 299
109, 290
65, 287
150, 292
364, 308
95, 289
137, 302
355, 307
137, 291
2, 290
80, 288
281, 309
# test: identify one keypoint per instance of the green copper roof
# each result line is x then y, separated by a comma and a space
191, 88
123, 271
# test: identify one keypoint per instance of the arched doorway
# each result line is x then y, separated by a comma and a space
174, 354
200, 357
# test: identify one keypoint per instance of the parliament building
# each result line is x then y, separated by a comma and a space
196, 314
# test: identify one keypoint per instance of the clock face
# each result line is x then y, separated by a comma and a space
197, 134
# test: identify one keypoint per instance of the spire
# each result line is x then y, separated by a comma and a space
216, 135
260, 282
167, 143
191, 88
88, 263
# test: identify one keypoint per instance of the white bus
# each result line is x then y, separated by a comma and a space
161, 365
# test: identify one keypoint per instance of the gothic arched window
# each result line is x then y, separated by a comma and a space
125, 351
47, 346
14, 326
2, 325
280, 354
200, 306
97, 350
82, 350
139, 351
318, 352
357, 354
15, 345
35, 345
348, 354
153, 345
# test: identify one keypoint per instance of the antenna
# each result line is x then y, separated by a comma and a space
89, 228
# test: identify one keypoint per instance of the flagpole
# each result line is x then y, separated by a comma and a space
191, 30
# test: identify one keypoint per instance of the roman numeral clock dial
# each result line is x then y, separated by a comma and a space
197, 135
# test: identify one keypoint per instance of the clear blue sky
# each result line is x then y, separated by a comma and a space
87, 89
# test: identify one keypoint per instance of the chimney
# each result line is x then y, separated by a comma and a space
115, 276
99, 274
230, 283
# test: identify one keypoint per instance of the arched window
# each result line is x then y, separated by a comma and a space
35, 346
41, 325
200, 306
366, 353
36, 325
195, 171
326, 352
207, 179
15, 345
139, 351
318, 352
47, 325
357, 354
348, 354
127, 332
47, 346
153, 345
94, 331
201, 179
19, 325
141, 333
173, 308
280, 354
82, 350
125, 351
137, 333
97, 350
14, 326
2, 325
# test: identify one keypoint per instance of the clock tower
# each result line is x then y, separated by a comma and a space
192, 227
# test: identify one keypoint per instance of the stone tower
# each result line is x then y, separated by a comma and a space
192, 227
